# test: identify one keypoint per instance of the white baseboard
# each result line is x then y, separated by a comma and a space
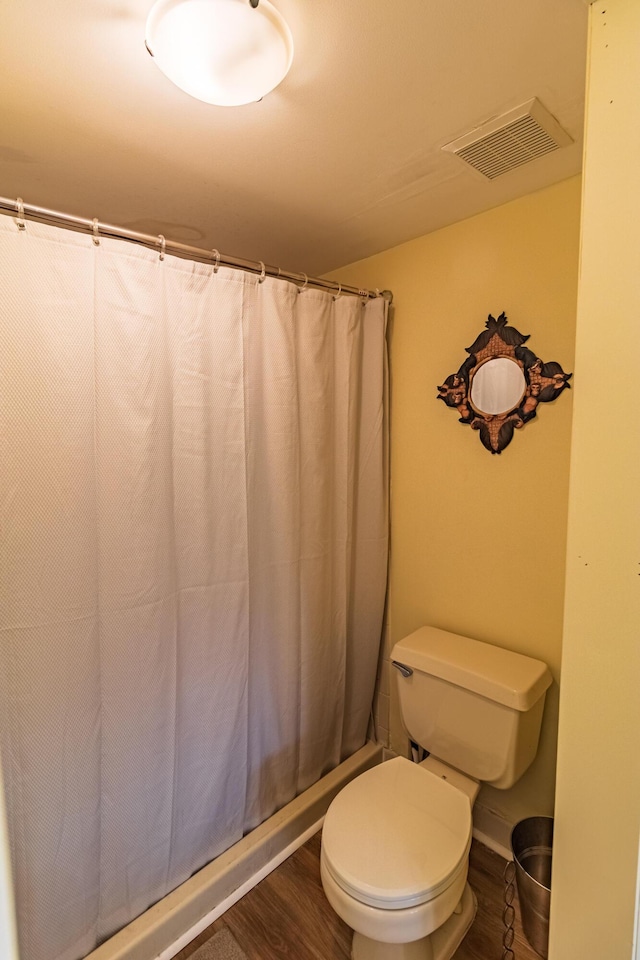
491, 829
174, 921
237, 894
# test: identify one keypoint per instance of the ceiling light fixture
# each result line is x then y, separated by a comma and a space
225, 52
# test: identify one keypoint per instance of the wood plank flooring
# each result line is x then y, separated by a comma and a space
287, 917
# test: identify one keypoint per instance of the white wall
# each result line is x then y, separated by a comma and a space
597, 814
478, 541
8, 935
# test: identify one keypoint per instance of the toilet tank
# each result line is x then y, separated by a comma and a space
474, 706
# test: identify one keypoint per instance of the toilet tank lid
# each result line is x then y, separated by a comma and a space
500, 675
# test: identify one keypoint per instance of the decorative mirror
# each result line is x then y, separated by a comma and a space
500, 384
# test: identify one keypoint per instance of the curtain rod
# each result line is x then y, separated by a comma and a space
24, 210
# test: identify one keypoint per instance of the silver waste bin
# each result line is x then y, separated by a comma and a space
531, 843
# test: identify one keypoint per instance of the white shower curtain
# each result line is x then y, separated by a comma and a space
193, 543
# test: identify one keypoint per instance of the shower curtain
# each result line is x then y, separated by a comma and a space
193, 544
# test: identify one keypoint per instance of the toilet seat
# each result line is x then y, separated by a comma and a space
397, 836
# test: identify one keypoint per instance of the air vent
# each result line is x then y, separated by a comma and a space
506, 142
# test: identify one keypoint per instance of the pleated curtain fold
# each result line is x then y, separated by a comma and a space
193, 555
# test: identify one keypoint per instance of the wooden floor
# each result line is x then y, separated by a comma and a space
286, 916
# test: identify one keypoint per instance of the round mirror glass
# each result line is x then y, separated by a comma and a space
498, 386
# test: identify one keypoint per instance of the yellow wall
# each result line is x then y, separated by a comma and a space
598, 800
478, 541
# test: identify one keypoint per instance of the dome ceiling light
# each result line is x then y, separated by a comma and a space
225, 52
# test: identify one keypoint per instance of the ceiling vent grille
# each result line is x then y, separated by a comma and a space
506, 142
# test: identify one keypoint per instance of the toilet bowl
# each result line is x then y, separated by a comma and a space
394, 861
395, 841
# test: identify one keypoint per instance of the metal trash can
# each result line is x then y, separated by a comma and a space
531, 843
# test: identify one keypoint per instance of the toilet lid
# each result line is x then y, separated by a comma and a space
397, 835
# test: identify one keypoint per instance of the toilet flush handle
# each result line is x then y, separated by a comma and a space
403, 668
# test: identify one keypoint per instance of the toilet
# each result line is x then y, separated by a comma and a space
396, 840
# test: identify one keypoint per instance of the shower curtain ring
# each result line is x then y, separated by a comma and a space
339, 293
20, 218
263, 271
96, 234
163, 245
216, 265
304, 285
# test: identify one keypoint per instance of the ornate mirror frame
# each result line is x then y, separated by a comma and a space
541, 383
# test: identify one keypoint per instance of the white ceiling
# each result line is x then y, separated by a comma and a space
342, 160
